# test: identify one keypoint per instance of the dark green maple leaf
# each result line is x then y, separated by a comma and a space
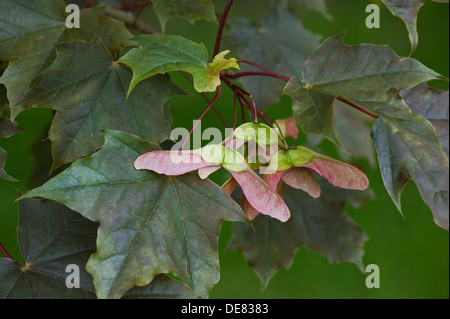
319, 224
51, 237
269, 44
29, 30
431, 104
406, 151
149, 224
407, 10
367, 75
159, 54
97, 89
191, 10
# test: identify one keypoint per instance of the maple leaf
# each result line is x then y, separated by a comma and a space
431, 104
150, 224
29, 47
191, 10
405, 153
98, 101
367, 75
407, 10
159, 54
51, 237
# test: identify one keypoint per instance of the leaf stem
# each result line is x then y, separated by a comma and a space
241, 95
218, 94
221, 27
244, 118
242, 74
272, 73
5, 252
359, 108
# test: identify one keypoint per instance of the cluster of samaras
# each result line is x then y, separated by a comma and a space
256, 148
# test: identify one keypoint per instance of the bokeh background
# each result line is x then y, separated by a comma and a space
411, 251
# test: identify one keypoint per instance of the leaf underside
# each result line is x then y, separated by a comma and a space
433, 105
160, 54
404, 154
51, 237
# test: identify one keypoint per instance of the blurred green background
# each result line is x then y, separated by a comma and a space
412, 252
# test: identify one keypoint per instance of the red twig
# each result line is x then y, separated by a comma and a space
244, 118
235, 110
3, 250
249, 105
242, 97
221, 26
359, 108
274, 74
281, 135
242, 74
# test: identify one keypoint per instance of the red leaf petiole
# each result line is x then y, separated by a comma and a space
3, 250
272, 73
221, 27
